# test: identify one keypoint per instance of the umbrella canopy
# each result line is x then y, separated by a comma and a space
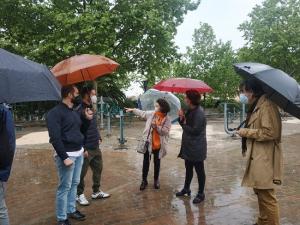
22, 80
280, 87
149, 98
181, 85
81, 68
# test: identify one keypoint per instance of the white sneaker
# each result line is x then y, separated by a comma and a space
81, 199
99, 195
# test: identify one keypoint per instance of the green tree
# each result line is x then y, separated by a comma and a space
136, 33
272, 35
210, 60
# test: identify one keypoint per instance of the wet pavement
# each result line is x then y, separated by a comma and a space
32, 186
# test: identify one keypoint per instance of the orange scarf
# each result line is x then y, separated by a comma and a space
158, 119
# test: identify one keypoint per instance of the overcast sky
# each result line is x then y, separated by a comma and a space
223, 15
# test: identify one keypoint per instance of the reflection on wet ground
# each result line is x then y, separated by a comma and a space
31, 189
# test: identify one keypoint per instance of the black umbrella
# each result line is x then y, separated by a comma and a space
22, 80
279, 87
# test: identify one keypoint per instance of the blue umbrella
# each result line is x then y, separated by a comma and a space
22, 80
281, 88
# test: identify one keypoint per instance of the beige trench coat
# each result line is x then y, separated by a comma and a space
265, 160
162, 130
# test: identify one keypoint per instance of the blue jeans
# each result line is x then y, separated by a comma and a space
69, 178
3, 210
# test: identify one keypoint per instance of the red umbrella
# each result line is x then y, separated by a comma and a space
181, 85
81, 68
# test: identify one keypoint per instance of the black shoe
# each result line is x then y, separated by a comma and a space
183, 192
76, 216
156, 184
65, 222
199, 198
144, 184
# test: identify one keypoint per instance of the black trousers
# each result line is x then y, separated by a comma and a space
146, 165
199, 167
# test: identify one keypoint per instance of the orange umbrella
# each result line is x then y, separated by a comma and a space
81, 68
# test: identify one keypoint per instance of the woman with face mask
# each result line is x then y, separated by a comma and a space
158, 125
261, 142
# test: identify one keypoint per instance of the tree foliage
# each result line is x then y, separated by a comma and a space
272, 35
139, 34
210, 60
136, 33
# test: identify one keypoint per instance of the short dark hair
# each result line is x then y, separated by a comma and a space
67, 90
194, 96
164, 105
86, 91
254, 86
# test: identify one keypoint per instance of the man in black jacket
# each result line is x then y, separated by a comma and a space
66, 128
7, 150
93, 155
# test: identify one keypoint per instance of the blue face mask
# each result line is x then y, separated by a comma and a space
243, 99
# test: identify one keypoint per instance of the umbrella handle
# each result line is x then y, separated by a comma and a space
175, 120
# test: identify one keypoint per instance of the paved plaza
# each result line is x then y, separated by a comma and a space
32, 186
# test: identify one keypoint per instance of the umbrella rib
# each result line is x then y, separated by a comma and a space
82, 75
87, 70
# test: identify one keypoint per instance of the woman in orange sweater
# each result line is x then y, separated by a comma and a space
158, 126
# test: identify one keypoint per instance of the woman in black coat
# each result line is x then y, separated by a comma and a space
194, 145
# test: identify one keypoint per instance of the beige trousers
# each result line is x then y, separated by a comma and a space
268, 207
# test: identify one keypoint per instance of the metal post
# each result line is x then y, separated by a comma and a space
108, 124
101, 113
226, 128
122, 139
225, 118
234, 112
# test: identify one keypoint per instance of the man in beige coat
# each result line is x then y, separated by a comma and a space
262, 137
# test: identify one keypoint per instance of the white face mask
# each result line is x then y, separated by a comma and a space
243, 99
94, 99
156, 108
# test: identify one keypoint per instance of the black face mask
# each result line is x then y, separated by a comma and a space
76, 100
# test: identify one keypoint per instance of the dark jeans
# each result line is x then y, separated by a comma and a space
146, 165
199, 167
94, 160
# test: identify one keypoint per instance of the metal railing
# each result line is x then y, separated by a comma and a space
232, 114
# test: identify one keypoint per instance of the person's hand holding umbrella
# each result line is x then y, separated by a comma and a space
88, 114
181, 116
